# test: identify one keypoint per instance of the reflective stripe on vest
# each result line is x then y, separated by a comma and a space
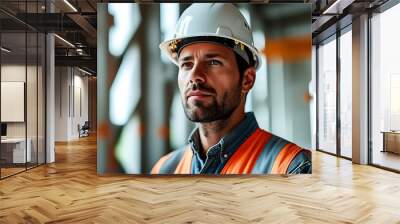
285, 156
185, 165
157, 167
245, 157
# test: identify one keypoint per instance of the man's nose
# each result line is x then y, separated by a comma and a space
197, 74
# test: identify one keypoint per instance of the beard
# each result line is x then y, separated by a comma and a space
215, 108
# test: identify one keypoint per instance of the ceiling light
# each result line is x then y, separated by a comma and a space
84, 71
333, 6
70, 5
338, 6
5, 50
65, 41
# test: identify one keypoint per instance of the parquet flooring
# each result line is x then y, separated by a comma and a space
70, 191
388, 159
10, 171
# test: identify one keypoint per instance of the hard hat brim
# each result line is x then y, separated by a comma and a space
166, 47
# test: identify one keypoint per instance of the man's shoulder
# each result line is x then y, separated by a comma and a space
168, 163
301, 163
282, 156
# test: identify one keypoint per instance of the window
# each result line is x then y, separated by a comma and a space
345, 94
385, 89
327, 96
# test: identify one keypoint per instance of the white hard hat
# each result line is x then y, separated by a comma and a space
213, 22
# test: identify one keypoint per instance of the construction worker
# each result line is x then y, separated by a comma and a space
214, 50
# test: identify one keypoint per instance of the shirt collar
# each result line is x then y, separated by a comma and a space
230, 142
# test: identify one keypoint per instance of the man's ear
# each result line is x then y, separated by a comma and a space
249, 77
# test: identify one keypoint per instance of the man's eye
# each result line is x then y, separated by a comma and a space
187, 65
214, 62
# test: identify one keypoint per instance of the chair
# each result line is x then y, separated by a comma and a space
84, 130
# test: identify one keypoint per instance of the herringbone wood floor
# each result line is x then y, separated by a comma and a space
70, 191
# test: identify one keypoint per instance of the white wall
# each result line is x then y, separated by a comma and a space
71, 94
13, 73
33, 127
80, 84
16, 73
61, 103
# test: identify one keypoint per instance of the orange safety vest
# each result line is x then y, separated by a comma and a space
245, 157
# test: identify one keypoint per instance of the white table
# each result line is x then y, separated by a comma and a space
18, 150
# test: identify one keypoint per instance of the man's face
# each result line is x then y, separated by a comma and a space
209, 82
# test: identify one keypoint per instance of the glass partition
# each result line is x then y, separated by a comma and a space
22, 90
14, 151
31, 100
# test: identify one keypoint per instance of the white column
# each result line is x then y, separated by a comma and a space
360, 90
50, 100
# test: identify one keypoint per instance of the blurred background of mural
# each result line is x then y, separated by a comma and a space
140, 117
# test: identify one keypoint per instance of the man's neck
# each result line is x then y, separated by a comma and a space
212, 132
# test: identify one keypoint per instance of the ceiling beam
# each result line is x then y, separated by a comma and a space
83, 61
84, 24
